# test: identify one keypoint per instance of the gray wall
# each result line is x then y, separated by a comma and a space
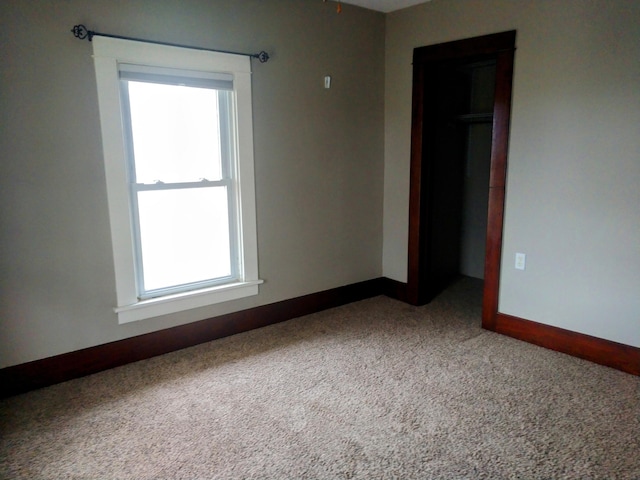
319, 157
573, 187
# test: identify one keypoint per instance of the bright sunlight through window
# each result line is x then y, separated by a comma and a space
181, 184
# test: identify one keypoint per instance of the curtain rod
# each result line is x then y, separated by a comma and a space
81, 32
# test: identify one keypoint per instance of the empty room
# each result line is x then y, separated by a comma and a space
320, 239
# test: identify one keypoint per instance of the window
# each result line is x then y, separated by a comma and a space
178, 151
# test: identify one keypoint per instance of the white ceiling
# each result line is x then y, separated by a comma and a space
385, 5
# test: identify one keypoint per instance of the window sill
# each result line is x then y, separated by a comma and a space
178, 302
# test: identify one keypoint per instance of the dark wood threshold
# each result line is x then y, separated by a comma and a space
60, 368
597, 350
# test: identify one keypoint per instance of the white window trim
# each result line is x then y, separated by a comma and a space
108, 53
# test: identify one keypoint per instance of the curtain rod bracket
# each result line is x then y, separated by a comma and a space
81, 32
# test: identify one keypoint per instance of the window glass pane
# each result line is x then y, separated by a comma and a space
184, 235
176, 132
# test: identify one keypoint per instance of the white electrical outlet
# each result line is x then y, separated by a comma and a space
521, 261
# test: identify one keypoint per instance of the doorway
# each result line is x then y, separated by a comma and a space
459, 140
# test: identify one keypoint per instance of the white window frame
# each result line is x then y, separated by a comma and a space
108, 54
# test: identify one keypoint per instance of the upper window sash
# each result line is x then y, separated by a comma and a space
217, 84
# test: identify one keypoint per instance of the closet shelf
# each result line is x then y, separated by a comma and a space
475, 118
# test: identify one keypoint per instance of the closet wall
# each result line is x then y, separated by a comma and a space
477, 163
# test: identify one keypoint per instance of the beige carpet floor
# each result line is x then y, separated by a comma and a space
371, 390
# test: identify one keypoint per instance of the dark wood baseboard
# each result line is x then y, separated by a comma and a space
395, 289
60, 368
597, 350
604, 352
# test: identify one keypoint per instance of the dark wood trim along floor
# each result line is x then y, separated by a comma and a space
604, 352
597, 350
60, 368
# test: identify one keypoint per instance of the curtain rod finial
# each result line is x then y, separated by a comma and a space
81, 32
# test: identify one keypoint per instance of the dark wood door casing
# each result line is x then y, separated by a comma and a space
501, 47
